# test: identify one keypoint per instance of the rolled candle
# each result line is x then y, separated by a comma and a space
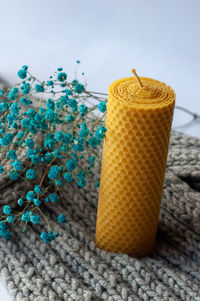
138, 121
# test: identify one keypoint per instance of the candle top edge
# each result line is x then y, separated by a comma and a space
154, 93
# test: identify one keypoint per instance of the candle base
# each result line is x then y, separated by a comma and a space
141, 249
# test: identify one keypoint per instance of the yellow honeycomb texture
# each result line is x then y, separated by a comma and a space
135, 149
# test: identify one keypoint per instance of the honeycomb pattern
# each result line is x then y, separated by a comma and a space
134, 158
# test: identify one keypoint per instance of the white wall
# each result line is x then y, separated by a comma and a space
159, 38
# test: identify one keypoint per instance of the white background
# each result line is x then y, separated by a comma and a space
161, 39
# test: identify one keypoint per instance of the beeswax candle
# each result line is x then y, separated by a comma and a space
138, 122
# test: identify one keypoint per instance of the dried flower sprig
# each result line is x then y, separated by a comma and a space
45, 135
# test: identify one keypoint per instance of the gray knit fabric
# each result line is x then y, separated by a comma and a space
73, 268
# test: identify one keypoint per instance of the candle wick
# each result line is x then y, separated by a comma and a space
138, 79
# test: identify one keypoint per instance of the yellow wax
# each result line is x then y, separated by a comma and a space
135, 149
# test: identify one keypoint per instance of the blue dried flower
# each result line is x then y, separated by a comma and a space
10, 118
74, 156
54, 142
68, 177
35, 159
81, 182
25, 101
68, 92
20, 202
47, 237
31, 174
49, 83
14, 125
61, 219
50, 115
25, 67
84, 132
25, 88
83, 109
59, 136
100, 132
72, 103
49, 142
22, 73
62, 76
4, 105
25, 123
13, 175
26, 216
35, 219
47, 158
7, 139
50, 104
79, 88
67, 137
12, 95
10, 219
78, 145
31, 152
71, 164
59, 182
5, 234
37, 202
93, 142
53, 172
37, 189
17, 165
56, 154
53, 198
42, 110
64, 99
2, 226
31, 112
15, 108
70, 118
7, 209
30, 196
102, 106
39, 88
91, 160
29, 142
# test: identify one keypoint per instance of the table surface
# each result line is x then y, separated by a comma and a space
159, 39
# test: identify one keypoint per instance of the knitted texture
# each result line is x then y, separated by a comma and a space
71, 267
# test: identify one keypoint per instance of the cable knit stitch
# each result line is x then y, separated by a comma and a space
73, 268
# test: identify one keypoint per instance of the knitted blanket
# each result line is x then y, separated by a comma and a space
71, 267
